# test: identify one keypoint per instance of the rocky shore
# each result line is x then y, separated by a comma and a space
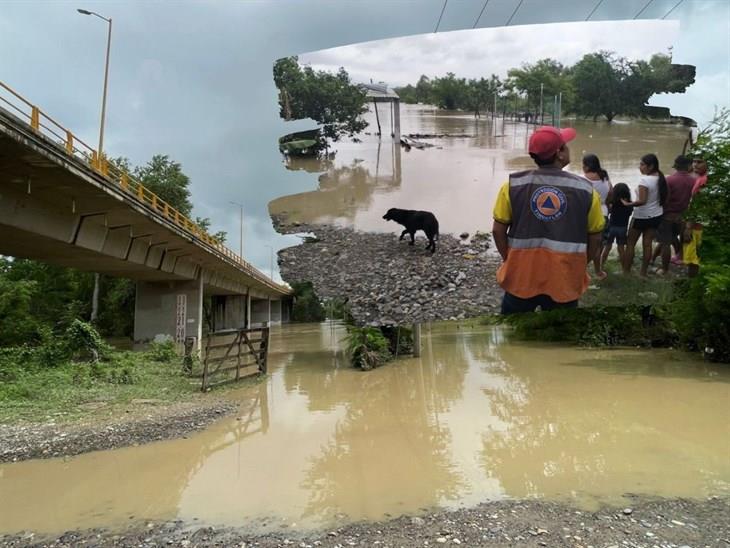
388, 282
146, 423
645, 523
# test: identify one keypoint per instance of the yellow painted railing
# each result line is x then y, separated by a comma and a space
63, 138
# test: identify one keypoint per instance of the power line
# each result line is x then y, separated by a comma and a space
642, 9
594, 9
513, 14
440, 16
674, 8
480, 14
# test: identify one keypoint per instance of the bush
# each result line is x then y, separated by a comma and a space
701, 313
367, 347
82, 340
307, 307
596, 326
162, 351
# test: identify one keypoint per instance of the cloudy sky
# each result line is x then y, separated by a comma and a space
193, 79
473, 54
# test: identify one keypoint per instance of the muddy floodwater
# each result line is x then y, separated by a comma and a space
478, 417
459, 176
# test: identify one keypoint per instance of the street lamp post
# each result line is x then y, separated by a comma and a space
240, 247
106, 75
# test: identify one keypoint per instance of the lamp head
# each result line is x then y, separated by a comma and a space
84, 12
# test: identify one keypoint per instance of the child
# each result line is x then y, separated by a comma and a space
618, 221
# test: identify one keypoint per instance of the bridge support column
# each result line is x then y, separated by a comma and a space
169, 309
230, 312
248, 310
259, 311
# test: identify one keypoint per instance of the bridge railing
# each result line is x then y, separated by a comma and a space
63, 138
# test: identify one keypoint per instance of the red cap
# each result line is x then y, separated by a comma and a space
547, 140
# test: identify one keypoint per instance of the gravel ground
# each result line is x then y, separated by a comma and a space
150, 420
388, 282
663, 523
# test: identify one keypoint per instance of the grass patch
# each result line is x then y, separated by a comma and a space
34, 390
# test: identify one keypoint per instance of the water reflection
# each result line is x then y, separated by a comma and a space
459, 177
476, 418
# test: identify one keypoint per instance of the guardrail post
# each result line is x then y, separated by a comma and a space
35, 118
140, 192
69, 142
124, 181
95, 160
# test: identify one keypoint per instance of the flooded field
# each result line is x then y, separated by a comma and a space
477, 417
458, 178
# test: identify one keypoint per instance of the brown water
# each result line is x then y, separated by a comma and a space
457, 179
476, 418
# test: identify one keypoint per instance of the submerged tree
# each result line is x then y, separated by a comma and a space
608, 85
329, 99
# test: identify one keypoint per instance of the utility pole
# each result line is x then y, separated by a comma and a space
542, 118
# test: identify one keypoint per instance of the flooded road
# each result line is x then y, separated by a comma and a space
459, 177
476, 418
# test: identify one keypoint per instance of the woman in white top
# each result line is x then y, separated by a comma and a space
598, 177
648, 210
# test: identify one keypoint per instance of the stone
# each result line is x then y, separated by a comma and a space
628, 511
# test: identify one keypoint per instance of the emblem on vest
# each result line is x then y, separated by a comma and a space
548, 203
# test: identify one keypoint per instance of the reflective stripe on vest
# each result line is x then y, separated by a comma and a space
548, 235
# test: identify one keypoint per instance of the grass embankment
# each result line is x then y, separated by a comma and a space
78, 376
618, 310
35, 388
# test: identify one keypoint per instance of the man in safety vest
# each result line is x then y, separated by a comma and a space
547, 227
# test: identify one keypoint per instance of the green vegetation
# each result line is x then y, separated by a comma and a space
600, 84
367, 347
702, 309
307, 307
68, 375
329, 99
691, 312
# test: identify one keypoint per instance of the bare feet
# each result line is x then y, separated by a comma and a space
601, 275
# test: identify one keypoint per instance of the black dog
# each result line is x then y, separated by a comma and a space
413, 221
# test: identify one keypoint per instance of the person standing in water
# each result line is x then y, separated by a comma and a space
648, 211
598, 177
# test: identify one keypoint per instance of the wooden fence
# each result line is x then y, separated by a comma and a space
233, 354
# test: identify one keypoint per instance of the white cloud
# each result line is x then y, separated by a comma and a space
481, 52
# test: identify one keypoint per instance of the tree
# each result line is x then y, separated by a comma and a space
548, 73
329, 99
597, 81
165, 178
608, 85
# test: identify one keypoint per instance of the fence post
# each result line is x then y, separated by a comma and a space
265, 347
69, 142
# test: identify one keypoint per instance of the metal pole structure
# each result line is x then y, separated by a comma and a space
560, 107
541, 113
240, 246
555, 107
106, 77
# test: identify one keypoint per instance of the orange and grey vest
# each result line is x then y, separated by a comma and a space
548, 236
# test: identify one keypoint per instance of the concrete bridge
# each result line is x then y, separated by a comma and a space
61, 203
